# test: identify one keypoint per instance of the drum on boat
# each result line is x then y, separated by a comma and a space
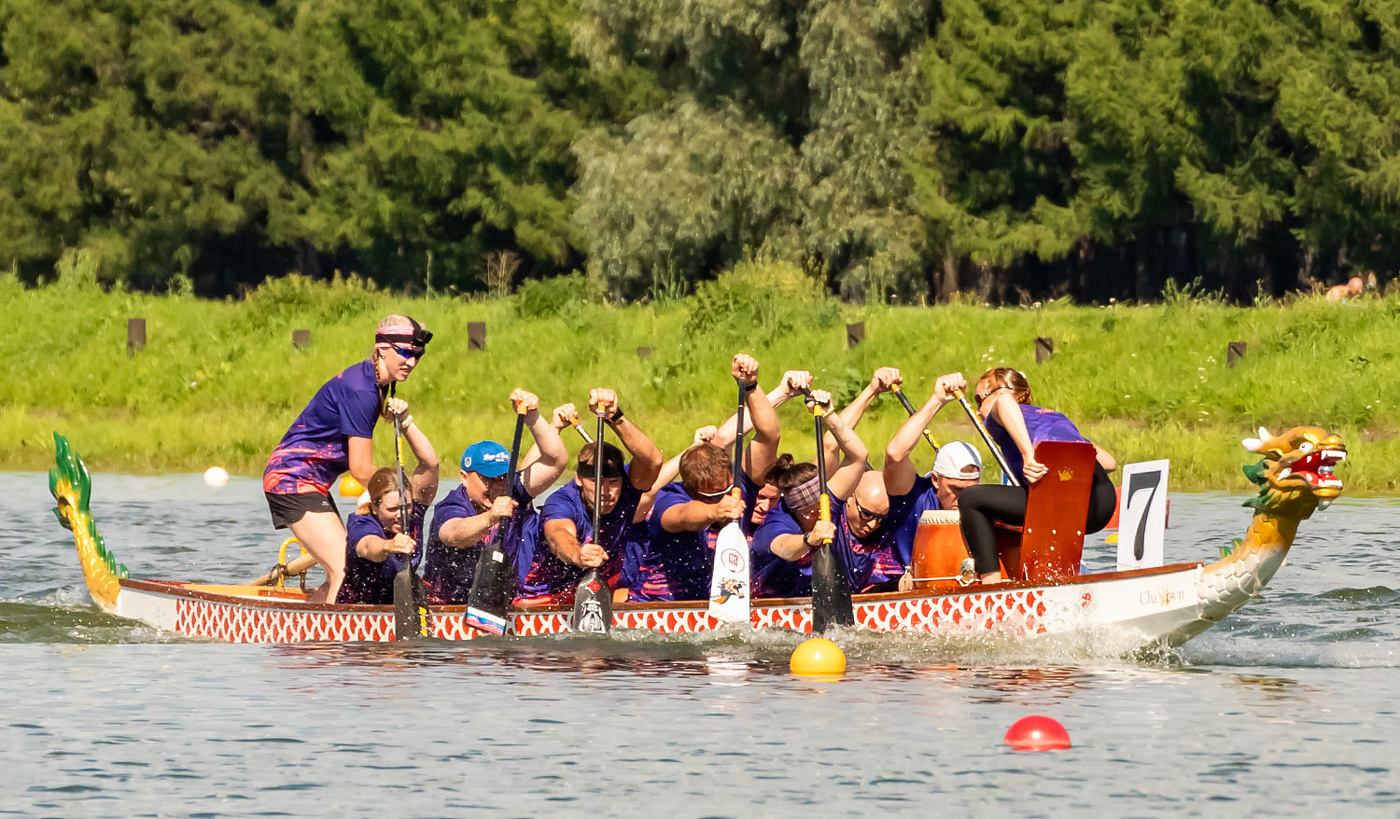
941, 559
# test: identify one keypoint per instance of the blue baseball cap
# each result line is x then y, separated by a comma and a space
486, 458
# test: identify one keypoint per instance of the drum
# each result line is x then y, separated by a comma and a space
939, 550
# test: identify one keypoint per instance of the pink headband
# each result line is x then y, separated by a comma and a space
395, 330
804, 494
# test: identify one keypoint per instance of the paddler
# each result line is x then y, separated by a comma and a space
1003, 399
782, 546
482, 508
332, 435
377, 544
686, 517
567, 516
957, 466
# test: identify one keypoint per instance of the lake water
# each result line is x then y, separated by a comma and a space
1289, 708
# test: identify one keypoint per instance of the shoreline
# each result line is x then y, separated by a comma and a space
218, 382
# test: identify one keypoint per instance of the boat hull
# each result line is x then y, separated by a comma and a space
1140, 608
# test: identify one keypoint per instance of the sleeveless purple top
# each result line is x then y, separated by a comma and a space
1042, 425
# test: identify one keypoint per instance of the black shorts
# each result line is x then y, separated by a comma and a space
288, 509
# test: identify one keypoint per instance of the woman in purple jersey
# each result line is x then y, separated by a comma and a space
1004, 401
332, 435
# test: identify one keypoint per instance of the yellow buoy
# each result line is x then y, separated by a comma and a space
349, 487
818, 657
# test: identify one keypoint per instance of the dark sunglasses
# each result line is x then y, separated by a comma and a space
409, 352
866, 513
715, 495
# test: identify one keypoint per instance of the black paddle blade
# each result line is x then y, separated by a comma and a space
488, 604
831, 593
411, 618
592, 604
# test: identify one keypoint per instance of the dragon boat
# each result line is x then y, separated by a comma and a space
1142, 608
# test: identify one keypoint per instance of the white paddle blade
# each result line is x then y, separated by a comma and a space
729, 585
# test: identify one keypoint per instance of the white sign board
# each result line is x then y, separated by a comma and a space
1142, 515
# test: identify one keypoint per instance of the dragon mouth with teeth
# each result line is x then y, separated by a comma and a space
1298, 463
1315, 468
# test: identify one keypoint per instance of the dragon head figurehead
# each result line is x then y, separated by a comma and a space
1295, 476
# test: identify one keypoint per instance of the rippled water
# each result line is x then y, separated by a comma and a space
1286, 709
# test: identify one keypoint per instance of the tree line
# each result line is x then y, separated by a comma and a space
902, 150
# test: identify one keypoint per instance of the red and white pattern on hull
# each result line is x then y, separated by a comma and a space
1021, 609
969, 612
241, 624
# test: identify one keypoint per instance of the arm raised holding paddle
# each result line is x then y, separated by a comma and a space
622, 486
899, 472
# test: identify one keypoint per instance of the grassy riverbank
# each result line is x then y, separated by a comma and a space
219, 382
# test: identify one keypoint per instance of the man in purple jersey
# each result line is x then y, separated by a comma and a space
783, 545
567, 517
334, 433
483, 508
957, 466
685, 518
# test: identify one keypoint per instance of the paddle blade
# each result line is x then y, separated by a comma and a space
831, 592
489, 600
592, 604
410, 606
729, 585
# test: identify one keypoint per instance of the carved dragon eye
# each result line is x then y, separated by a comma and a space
1305, 446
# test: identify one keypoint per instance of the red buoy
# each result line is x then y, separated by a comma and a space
1037, 733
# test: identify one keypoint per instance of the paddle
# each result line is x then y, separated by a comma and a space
489, 600
583, 433
729, 582
410, 598
986, 437
909, 408
593, 596
831, 591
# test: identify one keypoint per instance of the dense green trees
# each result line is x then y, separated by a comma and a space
904, 149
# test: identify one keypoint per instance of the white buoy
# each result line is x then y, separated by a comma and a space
215, 476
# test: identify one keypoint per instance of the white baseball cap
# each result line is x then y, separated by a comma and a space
958, 459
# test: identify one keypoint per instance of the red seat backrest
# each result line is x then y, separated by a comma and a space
1052, 543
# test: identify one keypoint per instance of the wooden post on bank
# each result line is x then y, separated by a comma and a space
135, 335
855, 334
301, 339
476, 336
1234, 351
644, 353
1044, 349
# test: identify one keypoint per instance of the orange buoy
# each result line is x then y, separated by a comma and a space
1037, 733
818, 657
349, 487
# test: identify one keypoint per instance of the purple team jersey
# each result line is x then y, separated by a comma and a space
365, 580
315, 450
549, 579
450, 571
905, 512
1042, 425
678, 565
776, 577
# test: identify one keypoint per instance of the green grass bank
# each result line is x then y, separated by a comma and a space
219, 382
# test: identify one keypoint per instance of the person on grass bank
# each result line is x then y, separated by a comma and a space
377, 545
783, 545
686, 517
332, 435
567, 517
483, 508
1003, 400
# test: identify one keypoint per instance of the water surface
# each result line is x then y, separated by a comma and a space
1286, 709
